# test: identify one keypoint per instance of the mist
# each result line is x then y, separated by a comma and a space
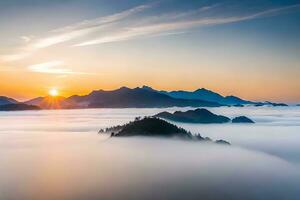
59, 155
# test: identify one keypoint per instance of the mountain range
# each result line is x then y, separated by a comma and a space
121, 98
205, 95
140, 97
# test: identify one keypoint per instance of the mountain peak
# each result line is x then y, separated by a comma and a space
6, 100
233, 97
145, 87
202, 89
124, 88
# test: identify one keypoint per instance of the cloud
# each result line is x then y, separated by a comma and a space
77, 30
49, 41
53, 67
134, 32
14, 57
70, 32
26, 38
125, 25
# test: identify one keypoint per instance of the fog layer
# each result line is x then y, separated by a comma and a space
59, 155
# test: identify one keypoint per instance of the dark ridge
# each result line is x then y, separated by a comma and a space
275, 104
148, 126
194, 116
144, 97
238, 105
152, 127
6, 100
203, 94
222, 142
134, 98
208, 95
18, 107
242, 119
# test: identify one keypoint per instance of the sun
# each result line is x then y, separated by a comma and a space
53, 92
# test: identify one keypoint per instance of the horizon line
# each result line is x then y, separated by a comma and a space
150, 87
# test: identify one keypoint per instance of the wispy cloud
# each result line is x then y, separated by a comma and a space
53, 67
26, 38
126, 25
14, 57
80, 29
134, 32
70, 32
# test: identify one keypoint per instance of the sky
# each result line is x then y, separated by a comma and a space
249, 48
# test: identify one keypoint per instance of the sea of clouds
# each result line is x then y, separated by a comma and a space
59, 155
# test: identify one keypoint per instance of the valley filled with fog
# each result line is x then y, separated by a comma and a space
58, 154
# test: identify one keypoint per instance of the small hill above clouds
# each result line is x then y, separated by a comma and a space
6, 100
242, 119
150, 126
155, 127
194, 116
201, 116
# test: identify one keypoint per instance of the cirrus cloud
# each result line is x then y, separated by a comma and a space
134, 23
53, 67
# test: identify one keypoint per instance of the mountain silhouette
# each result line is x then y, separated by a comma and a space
208, 95
194, 116
242, 119
151, 126
205, 95
155, 127
18, 106
6, 100
275, 104
144, 97
133, 98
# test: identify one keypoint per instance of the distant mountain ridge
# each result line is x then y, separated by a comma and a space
120, 98
6, 100
10, 104
205, 95
139, 97
18, 107
134, 98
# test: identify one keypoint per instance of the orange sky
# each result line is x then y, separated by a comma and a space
25, 85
